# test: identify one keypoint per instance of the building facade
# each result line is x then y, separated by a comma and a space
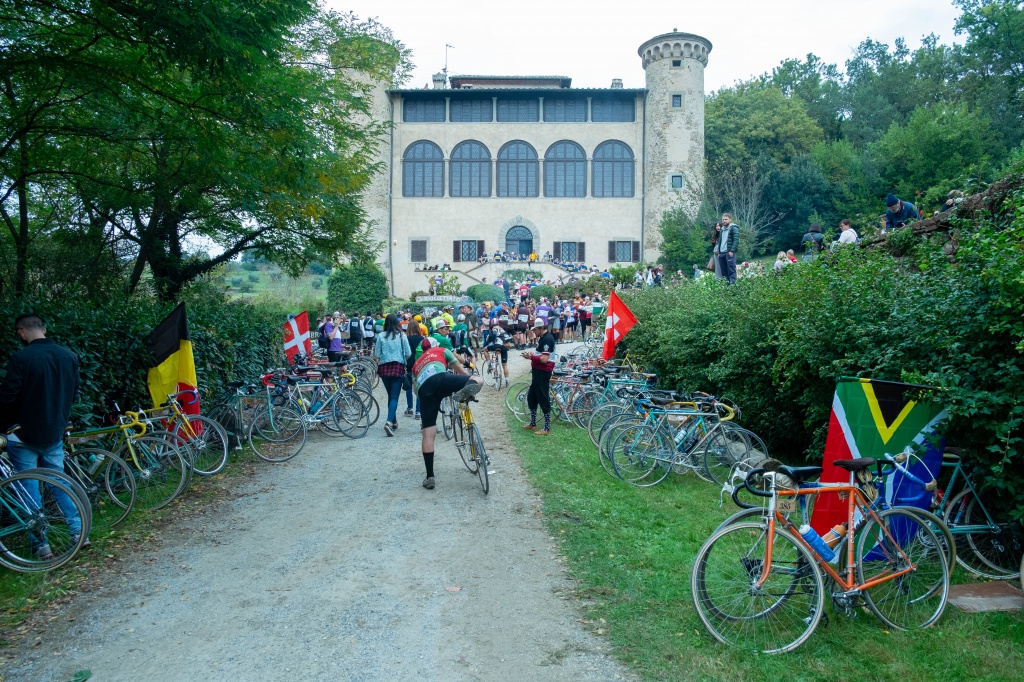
480, 164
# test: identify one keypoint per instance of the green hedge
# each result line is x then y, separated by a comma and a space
486, 292
542, 290
357, 288
230, 340
777, 344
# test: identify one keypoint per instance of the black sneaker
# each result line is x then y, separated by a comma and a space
388, 429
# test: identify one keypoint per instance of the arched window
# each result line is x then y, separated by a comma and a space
423, 170
565, 170
517, 170
613, 170
470, 170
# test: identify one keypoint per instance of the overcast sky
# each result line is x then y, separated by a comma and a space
593, 42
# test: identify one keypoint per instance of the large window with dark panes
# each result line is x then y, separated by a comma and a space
565, 110
624, 252
565, 170
569, 252
613, 170
518, 109
423, 110
470, 170
467, 250
471, 110
517, 170
613, 109
418, 250
423, 170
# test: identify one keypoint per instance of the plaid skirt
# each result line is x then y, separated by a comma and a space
391, 369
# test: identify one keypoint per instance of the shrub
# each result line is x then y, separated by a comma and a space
230, 340
361, 287
236, 282
485, 292
777, 344
542, 290
249, 266
246, 287
316, 283
253, 277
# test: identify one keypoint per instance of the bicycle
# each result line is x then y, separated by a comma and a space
494, 374
34, 532
205, 440
992, 549
469, 442
761, 586
106, 479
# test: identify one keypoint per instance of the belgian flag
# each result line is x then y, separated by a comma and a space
174, 367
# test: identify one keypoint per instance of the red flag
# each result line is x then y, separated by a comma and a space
620, 321
296, 336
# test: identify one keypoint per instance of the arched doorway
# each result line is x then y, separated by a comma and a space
519, 240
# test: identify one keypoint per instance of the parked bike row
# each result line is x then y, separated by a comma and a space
145, 459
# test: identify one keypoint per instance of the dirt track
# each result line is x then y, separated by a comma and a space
340, 566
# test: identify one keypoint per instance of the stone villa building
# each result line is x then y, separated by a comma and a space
529, 163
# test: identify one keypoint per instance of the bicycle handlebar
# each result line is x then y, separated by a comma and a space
189, 392
746, 482
133, 422
896, 461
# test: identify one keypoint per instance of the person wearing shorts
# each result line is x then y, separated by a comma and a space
433, 383
522, 325
499, 346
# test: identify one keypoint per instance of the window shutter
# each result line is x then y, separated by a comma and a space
480, 248
611, 252
636, 252
456, 251
556, 250
581, 252
419, 250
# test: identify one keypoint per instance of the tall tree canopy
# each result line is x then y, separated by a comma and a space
151, 134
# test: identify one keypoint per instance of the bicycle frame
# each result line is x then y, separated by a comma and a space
959, 529
856, 501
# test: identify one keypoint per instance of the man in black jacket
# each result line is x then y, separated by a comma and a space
725, 249
37, 393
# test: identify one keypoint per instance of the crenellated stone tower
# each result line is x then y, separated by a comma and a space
674, 121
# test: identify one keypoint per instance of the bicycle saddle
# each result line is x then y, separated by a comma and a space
801, 474
952, 455
236, 384
855, 464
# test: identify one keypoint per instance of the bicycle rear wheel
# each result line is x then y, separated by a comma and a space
723, 449
515, 399
894, 543
583, 406
642, 455
208, 442
108, 484
775, 617
160, 470
31, 530
479, 455
601, 415
448, 417
277, 435
462, 443
1001, 549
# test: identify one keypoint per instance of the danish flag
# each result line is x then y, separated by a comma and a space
296, 336
620, 321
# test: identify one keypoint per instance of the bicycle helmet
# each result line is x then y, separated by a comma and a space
462, 318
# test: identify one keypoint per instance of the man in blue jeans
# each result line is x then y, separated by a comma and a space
37, 393
725, 248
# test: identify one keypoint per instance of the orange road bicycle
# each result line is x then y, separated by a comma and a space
762, 585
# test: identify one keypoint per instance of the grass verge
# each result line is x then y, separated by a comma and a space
632, 549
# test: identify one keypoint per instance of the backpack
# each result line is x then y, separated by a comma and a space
322, 340
368, 326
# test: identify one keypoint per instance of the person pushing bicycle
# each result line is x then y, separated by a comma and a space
433, 383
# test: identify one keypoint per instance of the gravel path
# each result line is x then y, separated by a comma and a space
339, 566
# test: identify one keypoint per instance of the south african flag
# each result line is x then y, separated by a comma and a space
870, 418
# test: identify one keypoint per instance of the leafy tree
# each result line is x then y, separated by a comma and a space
936, 150
818, 85
753, 120
357, 287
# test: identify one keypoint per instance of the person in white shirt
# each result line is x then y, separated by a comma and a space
848, 234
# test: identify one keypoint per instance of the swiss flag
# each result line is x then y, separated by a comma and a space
620, 321
296, 336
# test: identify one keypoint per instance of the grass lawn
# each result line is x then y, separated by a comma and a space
632, 549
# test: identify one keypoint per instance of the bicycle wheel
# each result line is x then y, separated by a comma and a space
448, 417
160, 470
51, 502
723, 449
583, 406
999, 550
351, 415
489, 373
607, 436
479, 455
31, 529
773, 617
371, 404
642, 455
521, 405
462, 442
894, 542
599, 416
208, 442
512, 397
108, 484
277, 435
947, 544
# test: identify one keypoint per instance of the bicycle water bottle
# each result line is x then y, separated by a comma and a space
315, 407
814, 540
